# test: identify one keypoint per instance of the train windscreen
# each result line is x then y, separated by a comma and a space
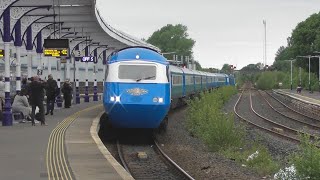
137, 72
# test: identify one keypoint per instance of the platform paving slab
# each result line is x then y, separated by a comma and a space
305, 95
85, 159
23, 147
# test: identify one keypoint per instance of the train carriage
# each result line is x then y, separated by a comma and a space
137, 89
189, 82
141, 86
176, 81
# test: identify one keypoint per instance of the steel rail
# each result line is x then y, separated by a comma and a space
293, 109
172, 162
123, 162
261, 127
296, 120
278, 124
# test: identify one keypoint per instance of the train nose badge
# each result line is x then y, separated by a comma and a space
137, 91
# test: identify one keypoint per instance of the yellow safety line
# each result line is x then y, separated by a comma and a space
55, 160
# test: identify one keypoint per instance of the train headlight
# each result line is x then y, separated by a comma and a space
115, 98
159, 100
155, 99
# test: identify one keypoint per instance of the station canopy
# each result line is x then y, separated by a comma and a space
77, 20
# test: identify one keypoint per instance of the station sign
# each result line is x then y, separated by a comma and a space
1, 53
56, 52
56, 44
89, 59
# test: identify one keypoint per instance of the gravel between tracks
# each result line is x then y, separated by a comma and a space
194, 156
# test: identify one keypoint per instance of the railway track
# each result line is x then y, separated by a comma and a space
292, 109
261, 122
153, 163
289, 113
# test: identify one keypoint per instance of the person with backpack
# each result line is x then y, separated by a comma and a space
67, 93
51, 91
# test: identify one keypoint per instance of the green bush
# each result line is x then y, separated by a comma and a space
307, 160
207, 121
271, 79
263, 163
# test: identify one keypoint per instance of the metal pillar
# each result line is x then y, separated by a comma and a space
291, 74
59, 99
86, 92
319, 73
29, 47
18, 69
309, 74
39, 54
104, 62
29, 64
95, 88
7, 115
77, 84
67, 67
18, 44
76, 75
300, 76
39, 64
49, 65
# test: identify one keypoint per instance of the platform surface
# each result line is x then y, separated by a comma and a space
23, 147
313, 98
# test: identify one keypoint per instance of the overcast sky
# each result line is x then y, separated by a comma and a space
225, 31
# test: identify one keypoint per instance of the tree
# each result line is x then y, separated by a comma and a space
226, 68
173, 38
304, 40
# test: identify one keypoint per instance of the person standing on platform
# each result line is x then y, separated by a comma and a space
37, 88
24, 83
51, 92
67, 93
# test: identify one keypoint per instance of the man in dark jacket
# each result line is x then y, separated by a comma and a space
67, 93
51, 91
37, 88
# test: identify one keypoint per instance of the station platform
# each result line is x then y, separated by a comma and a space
67, 148
304, 96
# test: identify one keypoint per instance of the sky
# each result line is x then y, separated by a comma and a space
225, 31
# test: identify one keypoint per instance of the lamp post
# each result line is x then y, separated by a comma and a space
317, 52
309, 57
291, 60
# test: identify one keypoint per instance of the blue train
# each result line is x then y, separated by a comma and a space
141, 86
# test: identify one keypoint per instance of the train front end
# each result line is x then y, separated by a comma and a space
137, 89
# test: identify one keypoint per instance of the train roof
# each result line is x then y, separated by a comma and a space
175, 69
187, 71
137, 53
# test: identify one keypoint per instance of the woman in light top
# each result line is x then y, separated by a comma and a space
21, 104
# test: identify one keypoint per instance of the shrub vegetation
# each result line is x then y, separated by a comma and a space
307, 160
206, 120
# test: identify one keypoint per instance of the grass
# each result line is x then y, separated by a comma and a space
261, 161
307, 160
207, 121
